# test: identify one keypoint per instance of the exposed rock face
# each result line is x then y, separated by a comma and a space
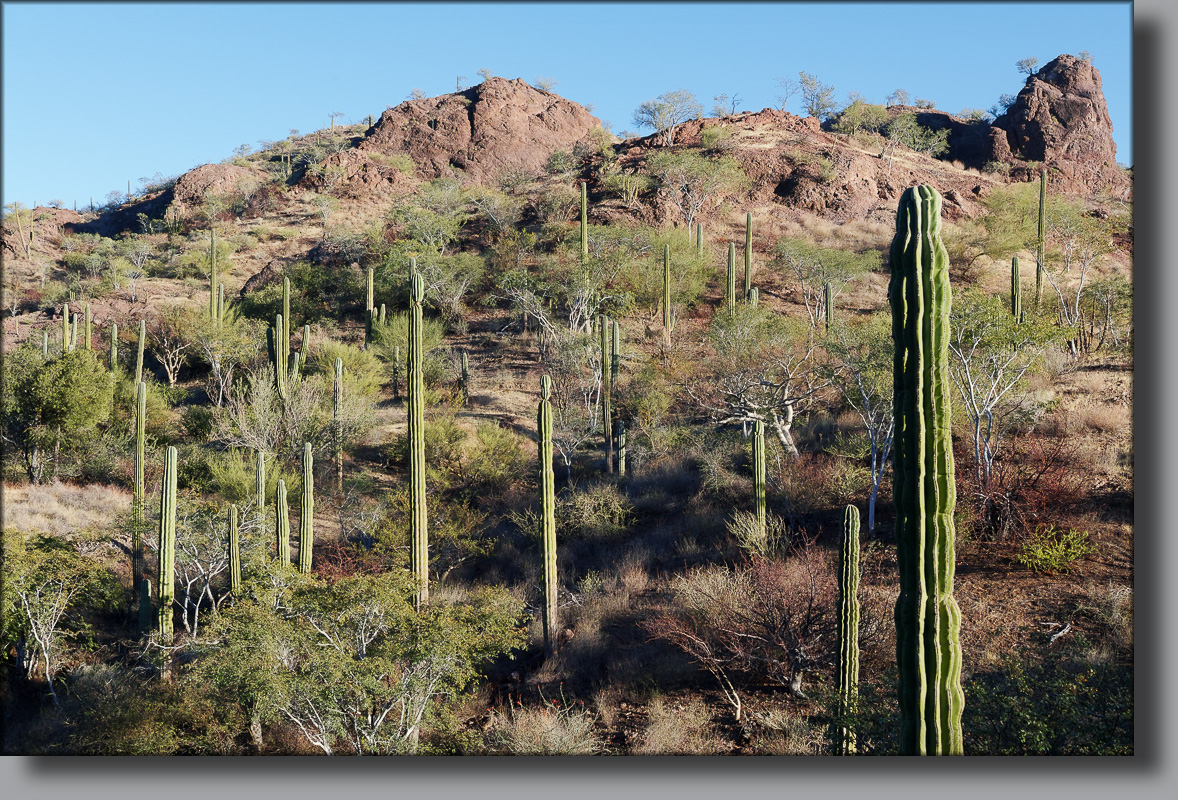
1060, 118
498, 124
214, 179
357, 173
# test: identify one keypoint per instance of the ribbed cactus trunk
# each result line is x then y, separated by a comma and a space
281, 524
621, 448
748, 252
928, 621
87, 333
307, 517
306, 343
45, 343
1041, 249
139, 352
167, 546
338, 422
759, 477
213, 274
418, 519
465, 372
74, 333
260, 488
699, 239
584, 221
754, 295
848, 629
369, 305
668, 320
286, 314
607, 426
828, 304
138, 497
114, 346
234, 554
146, 608
65, 328
278, 356
1016, 296
220, 303
547, 513
730, 282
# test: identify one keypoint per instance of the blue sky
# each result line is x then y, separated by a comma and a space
96, 94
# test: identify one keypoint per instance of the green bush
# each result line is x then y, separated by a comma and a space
600, 511
1051, 550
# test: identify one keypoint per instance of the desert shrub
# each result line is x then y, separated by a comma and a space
556, 204
197, 423
363, 371
716, 139
495, 462
1052, 550
996, 168
597, 511
395, 333
679, 728
755, 541
232, 475
554, 727
443, 439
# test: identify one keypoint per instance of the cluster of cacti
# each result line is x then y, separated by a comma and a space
338, 422
668, 318
138, 495
418, 519
165, 577
306, 520
1040, 251
234, 553
606, 393
547, 513
759, 477
139, 352
748, 252
848, 628
928, 621
1016, 297
730, 282
114, 346
281, 524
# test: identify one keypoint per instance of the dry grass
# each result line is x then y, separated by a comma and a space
550, 729
61, 509
679, 728
789, 734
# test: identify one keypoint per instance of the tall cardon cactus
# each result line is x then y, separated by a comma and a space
114, 346
848, 628
234, 554
606, 406
418, 519
369, 306
281, 524
165, 577
307, 518
748, 252
1040, 249
928, 621
338, 424
730, 282
759, 477
1016, 296
668, 318
139, 352
547, 513
138, 495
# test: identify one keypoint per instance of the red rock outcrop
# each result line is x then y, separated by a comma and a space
483, 130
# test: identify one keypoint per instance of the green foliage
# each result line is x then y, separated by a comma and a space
363, 371
716, 139
599, 511
861, 117
1052, 550
316, 294
395, 333
232, 476
905, 130
817, 97
692, 181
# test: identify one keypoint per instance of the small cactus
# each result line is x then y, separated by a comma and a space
167, 546
370, 303
281, 524
307, 520
848, 627
699, 239
114, 346
753, 296
65, 328
730, 283
234, 554
547, 513
139, 352
828, 296
465, 364
621, 448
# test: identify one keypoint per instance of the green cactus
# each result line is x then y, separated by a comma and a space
307, 519
146, 609
306, 344
1040, 251
74, 334
1016, 297
748, 252
138, 496
296, 362
87, 334
45, 343
286, 315
114, 346
260, 488
547, 513
281, 524
220, 303
234, 554
848, 628
382, 317
465, 363
754, 294
584, 221
278, 356
165, 577
65, 328
606, 409
139, 352
699, 239
828, 295
338, 421
668, 319
213, 274
759, 477
928, 621
621, 448
730, 282
370, 304
418, 519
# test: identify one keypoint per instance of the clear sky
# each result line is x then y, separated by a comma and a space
96, 94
